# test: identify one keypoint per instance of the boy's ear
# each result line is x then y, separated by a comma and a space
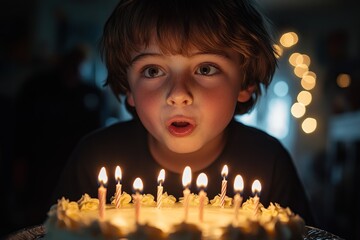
245, 94
130, 99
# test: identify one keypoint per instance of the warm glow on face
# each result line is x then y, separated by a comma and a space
256, 187
161, 176
118, 174
298, 110
309, 125
289, 39
102, 176
343, 80
186, 178
138, 185
238, 183
304, 97
202, 180
225, 171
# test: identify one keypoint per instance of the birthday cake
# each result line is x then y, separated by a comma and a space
126, 220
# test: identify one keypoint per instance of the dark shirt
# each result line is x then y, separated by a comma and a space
248, 151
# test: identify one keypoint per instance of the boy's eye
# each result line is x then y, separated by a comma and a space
207, 70
153, 72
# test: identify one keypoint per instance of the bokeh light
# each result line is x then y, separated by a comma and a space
304, 97
308, 82
292, 58
309, 125
343, 80
298, 110
310, 73
303, 59
278, 121
289, 39
281, 88
300, 70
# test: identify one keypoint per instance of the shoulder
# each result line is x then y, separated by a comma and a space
256, 147
123, 144
248, 135
120, 131
112, 142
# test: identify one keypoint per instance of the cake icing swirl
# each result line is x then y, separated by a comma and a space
216, 201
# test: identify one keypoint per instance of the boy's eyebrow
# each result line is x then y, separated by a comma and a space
218, 53
142, 55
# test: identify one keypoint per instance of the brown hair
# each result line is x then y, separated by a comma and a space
180, 24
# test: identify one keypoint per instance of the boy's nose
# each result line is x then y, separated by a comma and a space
179, 95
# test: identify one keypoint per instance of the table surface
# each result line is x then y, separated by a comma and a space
38, 232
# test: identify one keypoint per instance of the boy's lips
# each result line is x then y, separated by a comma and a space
181, 126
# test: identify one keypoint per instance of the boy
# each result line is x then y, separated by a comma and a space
186, 67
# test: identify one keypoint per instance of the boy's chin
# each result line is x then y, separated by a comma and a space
183, 148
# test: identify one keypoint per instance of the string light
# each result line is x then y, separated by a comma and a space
309, 125
298, 110
301, 63
289, 39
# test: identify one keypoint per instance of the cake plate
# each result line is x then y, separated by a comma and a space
38, 232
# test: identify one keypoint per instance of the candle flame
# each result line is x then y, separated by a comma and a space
186, 178
225, 171
138, 185
161, 176
118, 174
102, 176
238, 183
256, 187
202, 180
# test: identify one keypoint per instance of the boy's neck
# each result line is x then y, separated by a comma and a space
176, 162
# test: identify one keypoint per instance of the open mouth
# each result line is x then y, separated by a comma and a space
180, 124
181, 128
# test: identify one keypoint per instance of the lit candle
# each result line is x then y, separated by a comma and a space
201, 183
224, 174
161, 179
238, 188
102, 192
186, 180
256, 189
138, 187
118, 186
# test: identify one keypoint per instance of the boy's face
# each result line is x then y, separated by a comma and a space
185, 102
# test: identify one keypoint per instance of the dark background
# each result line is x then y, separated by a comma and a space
47, 105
